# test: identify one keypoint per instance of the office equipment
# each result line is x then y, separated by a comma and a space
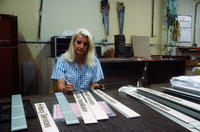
116, 104
69, 115
46, 121
86, 113
18, 119
94, 106
9, 55
59, 44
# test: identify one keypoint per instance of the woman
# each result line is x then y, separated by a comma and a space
78, 68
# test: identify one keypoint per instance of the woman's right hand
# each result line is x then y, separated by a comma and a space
65, 87
69, 88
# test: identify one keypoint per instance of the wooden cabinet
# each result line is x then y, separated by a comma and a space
9, 77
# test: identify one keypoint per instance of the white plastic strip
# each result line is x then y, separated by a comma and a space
70, 117
18, 119
186, 121
187, 89
194, 96
173, 98
94, 106
116, 104
86, 113
46, 121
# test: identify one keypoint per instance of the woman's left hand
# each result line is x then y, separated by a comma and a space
96, 85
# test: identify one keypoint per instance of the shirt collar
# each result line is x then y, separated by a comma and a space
83, 67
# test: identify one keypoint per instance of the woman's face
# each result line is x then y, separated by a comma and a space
81, 45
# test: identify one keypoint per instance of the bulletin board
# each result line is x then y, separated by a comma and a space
185, 28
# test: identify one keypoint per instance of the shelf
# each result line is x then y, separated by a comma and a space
191, 49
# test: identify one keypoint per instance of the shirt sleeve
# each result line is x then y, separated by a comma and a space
98, 73
59, 70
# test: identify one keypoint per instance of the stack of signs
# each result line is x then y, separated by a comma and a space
86, 113
116, 104
178, 117
94, 106
179, 104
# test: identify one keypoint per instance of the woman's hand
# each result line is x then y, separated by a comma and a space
65, 87
96, 85
69, 88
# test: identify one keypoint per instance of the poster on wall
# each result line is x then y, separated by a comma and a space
185, 28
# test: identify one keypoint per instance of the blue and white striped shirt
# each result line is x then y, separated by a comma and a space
81, 78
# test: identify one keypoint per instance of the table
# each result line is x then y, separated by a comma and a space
150, 120
130, 70
126, 71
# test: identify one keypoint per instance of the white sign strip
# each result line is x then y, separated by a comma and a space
70, 117
186, 119
94, 106
86, 113
187, 89
172, 98
116, 104
46, 121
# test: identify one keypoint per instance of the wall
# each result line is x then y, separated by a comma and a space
68, 15
137, 22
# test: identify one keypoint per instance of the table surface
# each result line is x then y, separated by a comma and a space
132, 59
150, 120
